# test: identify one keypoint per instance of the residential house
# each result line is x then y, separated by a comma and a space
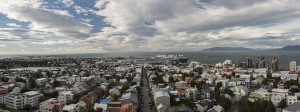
17, 101
50, 105
41, 81
80, 87
181, 85
292, 108
291, 100
162, 97
183, 94
65, 96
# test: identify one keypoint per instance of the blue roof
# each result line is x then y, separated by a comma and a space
104, 101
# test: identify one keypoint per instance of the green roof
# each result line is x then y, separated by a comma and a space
234, 89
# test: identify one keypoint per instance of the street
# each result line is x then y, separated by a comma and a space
146, 103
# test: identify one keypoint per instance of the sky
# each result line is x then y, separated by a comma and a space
97, 26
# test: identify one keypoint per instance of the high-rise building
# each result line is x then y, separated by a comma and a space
248, 63
261, 62
293, 66
274, 64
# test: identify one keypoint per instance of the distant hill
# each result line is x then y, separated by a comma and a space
289, 48
228, 49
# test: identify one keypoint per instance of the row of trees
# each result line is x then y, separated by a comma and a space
257, 106
222, 100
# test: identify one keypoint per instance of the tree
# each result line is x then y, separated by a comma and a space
32, 82
125, 87
56, 84
2, 106
73, 101
99, 109
193, 83
270, 107
20, 80
115, 97
24, 90
219, 84
54, 94
282, 104
4, 79
27, 107
171, 79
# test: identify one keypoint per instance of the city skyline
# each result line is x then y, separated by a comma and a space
97, 26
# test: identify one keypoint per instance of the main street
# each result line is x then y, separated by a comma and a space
147, 102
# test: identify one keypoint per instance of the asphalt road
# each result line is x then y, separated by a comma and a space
145, 95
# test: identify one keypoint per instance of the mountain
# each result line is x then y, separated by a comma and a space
228, 49
289, 48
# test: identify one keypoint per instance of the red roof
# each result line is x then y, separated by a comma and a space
182, 91
114, 110
3, 91
85, 98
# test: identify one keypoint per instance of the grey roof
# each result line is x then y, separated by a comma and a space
295, 107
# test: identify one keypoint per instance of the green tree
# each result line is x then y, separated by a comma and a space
115, 97
171, 79
54, 94
125, 87
56, 84
32, 82
20, 80
270, 107
282, 104
73, 101
3, 106
219, 84
27, 107
4, 79
24, 90
99, 109
193, 83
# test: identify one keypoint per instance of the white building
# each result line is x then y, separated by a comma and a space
181, 85
293, 66
161, 97
70, 108
291, 100
280, 92
64, 96
41, 81
49, 105
17, 101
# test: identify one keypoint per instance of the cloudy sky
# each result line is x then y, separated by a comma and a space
87, 26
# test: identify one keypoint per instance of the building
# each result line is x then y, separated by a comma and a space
41, 81
50, 105
261, 62
293, 66
161, 97
3, 93
64, 96
274, 64
17, 101
249, 63
292, 108
291, 100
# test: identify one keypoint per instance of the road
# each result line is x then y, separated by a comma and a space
234, 107
146, 103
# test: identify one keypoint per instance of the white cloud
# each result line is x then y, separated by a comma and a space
2, 45
13, 25
80, 10
55, 42
154, 25
68, 3
46, 20
189, 24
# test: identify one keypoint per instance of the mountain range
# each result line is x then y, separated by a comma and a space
240, 49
